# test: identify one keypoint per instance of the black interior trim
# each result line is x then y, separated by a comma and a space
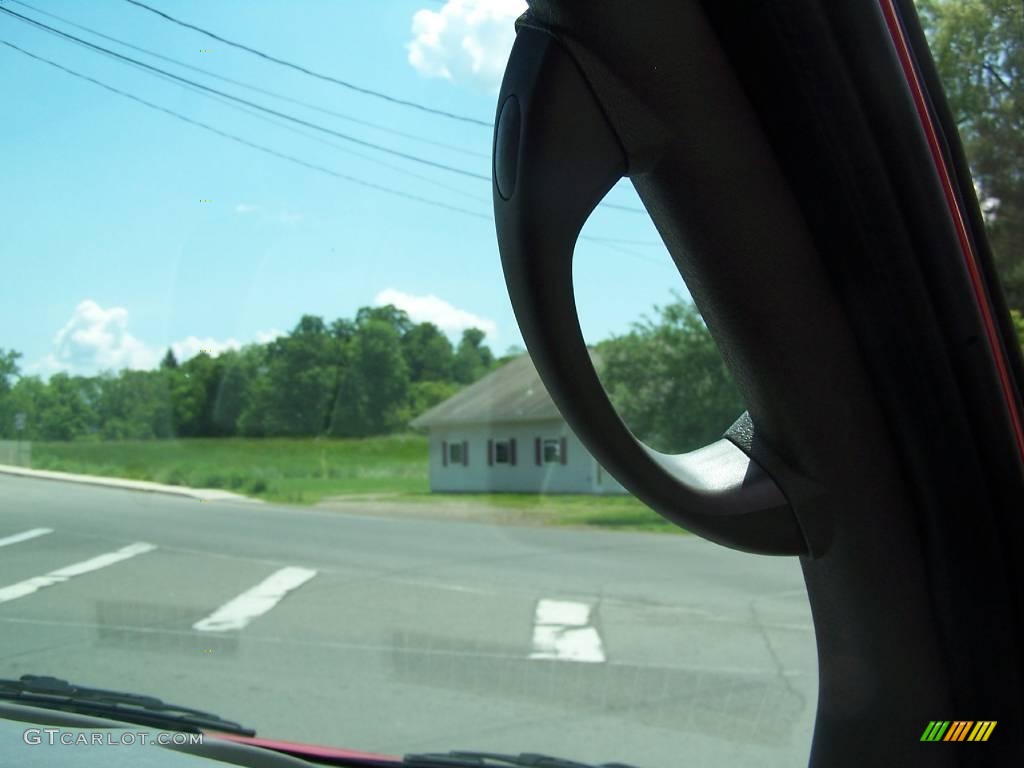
797, 195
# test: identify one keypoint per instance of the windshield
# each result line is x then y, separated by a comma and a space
271, 445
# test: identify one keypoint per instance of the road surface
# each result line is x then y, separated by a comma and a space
397, 635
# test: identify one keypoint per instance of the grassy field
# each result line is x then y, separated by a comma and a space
307, 470
299, 471
617, 512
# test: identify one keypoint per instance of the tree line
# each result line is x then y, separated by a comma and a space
353, 377
370, 375
978, 46
373, 373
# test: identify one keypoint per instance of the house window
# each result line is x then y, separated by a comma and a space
501, 452
552, 452
455, 453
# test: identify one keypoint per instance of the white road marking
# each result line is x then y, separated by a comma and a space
377, 648
27, 587
562, 630
255, 602
25, 536
562, 612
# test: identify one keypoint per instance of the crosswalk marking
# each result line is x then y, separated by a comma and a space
562, 630
25, 536
255, 602
27, 587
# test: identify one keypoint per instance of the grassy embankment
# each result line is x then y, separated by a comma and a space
306, 471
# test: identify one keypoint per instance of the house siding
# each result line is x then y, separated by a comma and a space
576, 472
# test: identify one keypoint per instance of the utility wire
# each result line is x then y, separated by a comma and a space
254, 105
256, 88
608, 243
253, 145
268, 110
300, 68
313, 137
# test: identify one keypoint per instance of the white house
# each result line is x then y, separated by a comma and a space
504, 433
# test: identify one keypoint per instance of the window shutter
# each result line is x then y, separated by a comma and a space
512, 451
561, 451
444, 453
465, 453
490, 453
536, 451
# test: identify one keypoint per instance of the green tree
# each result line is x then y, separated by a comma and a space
234, 389
343, 330
427, 394
1018, 324
428, 353
134, 405
668, 381
28, 396
472, 357
389, 314
169, 360
9, 373
294, 394
64, 408
978, 47
193, 386
374, 383
9, 370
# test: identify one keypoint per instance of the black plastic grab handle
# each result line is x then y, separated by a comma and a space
555, 158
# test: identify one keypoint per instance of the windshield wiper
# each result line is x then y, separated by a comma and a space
53, 693
494, 760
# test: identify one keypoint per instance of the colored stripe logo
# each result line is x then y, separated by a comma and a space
958, 730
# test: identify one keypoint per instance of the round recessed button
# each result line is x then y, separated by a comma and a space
506, 148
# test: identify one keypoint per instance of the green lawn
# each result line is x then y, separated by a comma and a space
617, 512
300, 470
308, 470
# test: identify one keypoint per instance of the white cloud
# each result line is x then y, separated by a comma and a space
466, 41
45, 366
431, 309
262, 337
97, 339
244, 208
192, 346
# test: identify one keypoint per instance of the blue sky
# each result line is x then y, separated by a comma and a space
109, 254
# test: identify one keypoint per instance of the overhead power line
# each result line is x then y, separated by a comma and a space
609, 243
254, 105
312, 73
256, 88
312, 137
185, 82
253, 145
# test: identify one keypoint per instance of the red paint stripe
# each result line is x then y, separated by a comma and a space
970, 258
309, 750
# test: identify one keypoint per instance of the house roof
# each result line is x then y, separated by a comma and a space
513, 392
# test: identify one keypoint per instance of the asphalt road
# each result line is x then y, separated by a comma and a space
396, 635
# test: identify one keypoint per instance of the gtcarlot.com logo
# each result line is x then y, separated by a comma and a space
958, 730
68, 738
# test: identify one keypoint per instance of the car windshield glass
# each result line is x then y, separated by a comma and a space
271, 447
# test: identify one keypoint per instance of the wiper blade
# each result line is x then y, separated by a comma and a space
54, 693
495, 760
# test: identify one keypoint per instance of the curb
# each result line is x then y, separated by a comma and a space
202, 494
